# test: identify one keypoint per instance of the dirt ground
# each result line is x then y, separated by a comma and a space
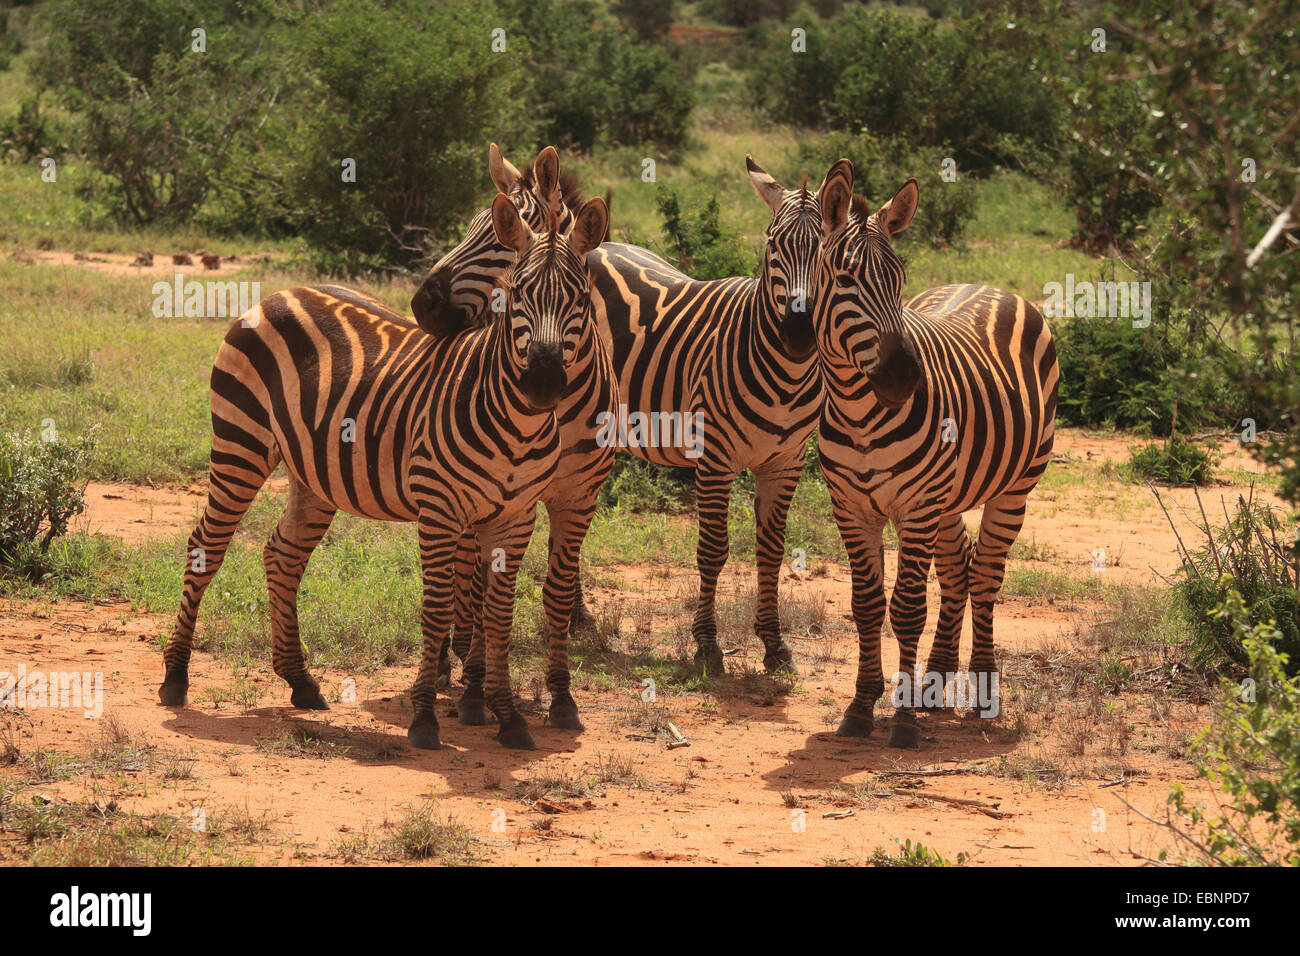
763, 779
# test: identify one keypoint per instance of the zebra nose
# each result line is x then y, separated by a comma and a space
543, 380
797, 333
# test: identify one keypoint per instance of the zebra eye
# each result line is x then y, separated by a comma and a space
845, 280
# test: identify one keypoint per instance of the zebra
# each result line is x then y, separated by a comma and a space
374, 416
933, 407
571, 495
736, 356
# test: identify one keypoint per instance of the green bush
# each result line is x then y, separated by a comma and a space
1177, 462
1252, 753
1145, 379
1110, 204
587, 80
743, 13
967, 83
650, 19
31, 134
156, 119
41, 488
698, 244
636, 485
882, 165
416, 120
1252, 559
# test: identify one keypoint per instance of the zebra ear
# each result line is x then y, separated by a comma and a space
836, 195
768, 189
504, 176
546, 177
590, 227
510, 229
896, 215
897, 372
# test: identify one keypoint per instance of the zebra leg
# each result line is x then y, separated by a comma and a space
775, 489
508, 545
580, 618
907, 615
438, 538
465, 614
231, 490
863, 542
568, 528
285, 557
952, 560
1001, 522
472, 708
713, 496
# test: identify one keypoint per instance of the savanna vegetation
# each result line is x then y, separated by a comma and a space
1145, 143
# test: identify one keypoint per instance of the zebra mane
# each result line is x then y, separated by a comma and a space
860, 207
570, 191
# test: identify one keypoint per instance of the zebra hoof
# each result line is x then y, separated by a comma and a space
424, 733
855, 725
516, 736
780, 661
472, 710
904, 731
710, 661
582, 620
564, 715
309, 697
173, 695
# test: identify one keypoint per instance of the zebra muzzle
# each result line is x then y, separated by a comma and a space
543, 380
796, 334
431, 305
896, 373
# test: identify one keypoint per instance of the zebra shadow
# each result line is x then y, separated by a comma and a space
335, 735
950, 745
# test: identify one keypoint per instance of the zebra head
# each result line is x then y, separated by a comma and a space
858, 314
458, 290
792, 239
547, 294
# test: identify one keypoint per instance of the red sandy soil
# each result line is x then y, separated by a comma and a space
724, 799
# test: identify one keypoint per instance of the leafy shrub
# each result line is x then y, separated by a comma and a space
1177, 462
155, 119
41, 488
743, 13
1144, 379
649, 18
966, 83
1110, 204
1250, 752
1251, 561
31, 134
699, 245
587, 80
909, 856
636, 485
882, 165
415, 120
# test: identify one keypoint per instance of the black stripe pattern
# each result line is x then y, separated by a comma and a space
933, 407
374, 416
